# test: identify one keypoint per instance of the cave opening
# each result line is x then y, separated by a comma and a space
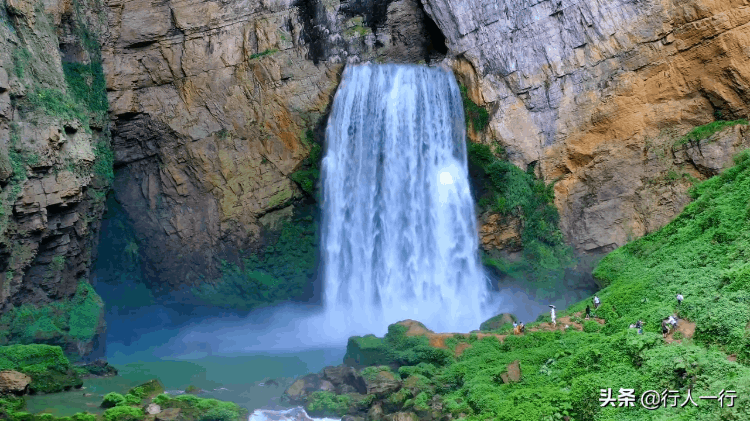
435, 46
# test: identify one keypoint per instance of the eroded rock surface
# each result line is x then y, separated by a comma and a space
583, 87
211, 103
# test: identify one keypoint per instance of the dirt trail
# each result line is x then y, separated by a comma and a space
686, 329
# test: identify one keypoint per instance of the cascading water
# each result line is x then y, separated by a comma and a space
399, 233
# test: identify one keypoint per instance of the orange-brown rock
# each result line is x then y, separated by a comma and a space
587, 89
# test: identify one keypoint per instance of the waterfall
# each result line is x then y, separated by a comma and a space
399, 236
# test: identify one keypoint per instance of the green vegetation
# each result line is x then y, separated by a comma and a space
123, 413
280, 271
112, 399
21, 60
514, 193
147, 390
477, 117
395, 349
193, 408
327, 404
309, 174
264, 53
49, 369
708, 130
703, 254
58, 323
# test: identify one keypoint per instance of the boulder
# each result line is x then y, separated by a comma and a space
382, 383
402, 416
153, 409
302, 387
14, 382
100, 368
345, 379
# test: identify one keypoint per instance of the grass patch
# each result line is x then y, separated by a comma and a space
327, 404
708, 130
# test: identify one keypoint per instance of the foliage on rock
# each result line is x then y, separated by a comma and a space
58, 323
49, 369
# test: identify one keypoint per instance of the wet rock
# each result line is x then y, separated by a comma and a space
100, 368
14, 382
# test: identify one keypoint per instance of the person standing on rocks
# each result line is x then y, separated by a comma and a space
553, 315
596, 302
664, 328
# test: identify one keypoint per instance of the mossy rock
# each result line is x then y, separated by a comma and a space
123, 413
111, 400
49, 369
147, 390
193, 390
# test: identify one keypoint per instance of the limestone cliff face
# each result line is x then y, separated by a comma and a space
597, 91
211, 103
53, 170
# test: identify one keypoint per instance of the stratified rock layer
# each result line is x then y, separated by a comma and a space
583, 88
211, 103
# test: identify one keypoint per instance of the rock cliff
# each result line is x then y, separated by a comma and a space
593, 91
55, 166
215, 105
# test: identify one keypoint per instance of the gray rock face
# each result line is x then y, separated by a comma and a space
582, 87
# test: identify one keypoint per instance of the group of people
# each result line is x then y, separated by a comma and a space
666, 324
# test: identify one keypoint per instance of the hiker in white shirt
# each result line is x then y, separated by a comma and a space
679, 299
552, 314
596, 301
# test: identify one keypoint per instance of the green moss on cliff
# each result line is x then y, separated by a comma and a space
476, 117
514, 193
59, 323
280, 271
